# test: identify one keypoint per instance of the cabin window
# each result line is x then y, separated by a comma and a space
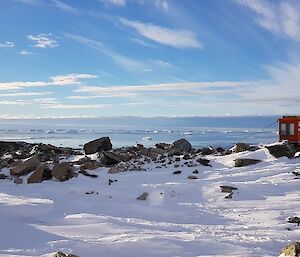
291, 129
299, 126
283, 129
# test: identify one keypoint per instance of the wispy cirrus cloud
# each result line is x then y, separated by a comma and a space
120, 59
7, 44
279, 17
25, 94
114, 2
25, 52
178, 38
43, 40
60, 80
65, 7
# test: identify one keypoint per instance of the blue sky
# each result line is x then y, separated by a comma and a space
79, 58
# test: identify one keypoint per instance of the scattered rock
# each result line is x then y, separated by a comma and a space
84, 160
60, 254
63, 171
281, 150
163, 146
295, 220
114, 170
110, 181
109, 158
18, 181
245, 162
208, 150
195, 172
182, 145
97, 145
2, 176
229, 196
227, 189
203, 161
39, 175
89, 165
291, 250
177, 172
240, 147
143, 196
25, 167
85, 173
192, 177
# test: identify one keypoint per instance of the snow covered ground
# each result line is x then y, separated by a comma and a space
181, 217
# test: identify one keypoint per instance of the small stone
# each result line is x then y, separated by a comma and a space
227, 189
192, 177
177, 172
203, 161
195, 172
2, 176
60, 254
18, 181
295, 220
143, 196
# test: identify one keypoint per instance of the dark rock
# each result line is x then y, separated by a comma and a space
84, 160
97, 145
39, 174
182, 145
220, 150
207, 151
90, 165
281, 150
294, 220
18, 181
245, 162
110, 181
109, 158
85, 173
240, 147
186, 157
63, 171
195, 172
177, 159
292, 250
227, 189
2, 176
143, 196
60, 254
163, 146
192, 177
229, 196
203, 161
177, 172
25, 167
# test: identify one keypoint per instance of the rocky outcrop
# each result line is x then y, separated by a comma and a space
182, 145
25, 167
97, 145
291, 250
63, 171
245, 162
281, 150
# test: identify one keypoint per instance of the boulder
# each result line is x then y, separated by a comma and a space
245, 162
227, 189
291, 250
281, 150
163, 146
114, 170
143, 196
240, 147
109, 158
182, 145
208, 150
18, 181
63, 171
177, 172
25, 167
203, 161
97, 145
38, 175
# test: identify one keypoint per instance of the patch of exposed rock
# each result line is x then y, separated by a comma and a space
245, 162
25, 167
63, 171
281, 150
101, 144
291, 250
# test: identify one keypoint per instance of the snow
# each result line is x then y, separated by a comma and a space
181, 217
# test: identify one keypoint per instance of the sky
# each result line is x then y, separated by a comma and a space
91, 58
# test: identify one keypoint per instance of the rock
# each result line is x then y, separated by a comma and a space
182, 145
2, 176
192, 177
281, 150
60, 254
114, 170
143, 196
195, 172
186, 157
227, 189
207, 150
72, 255
245, 162
38, 175
109, 158
63, 171
177, 172
295, 220
18, 181
85, 173
203, 161
84, 160
90, 165
240, 147
229, 196
25, 167
97, 145
163, 146
292, 250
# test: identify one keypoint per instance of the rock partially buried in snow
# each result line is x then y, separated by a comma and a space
97, 145
295, 220
245, 162
240, 147
63, 171
25, 167
281, 150
291, 250
18, 181
192, 177
203, 161
38, 175
182, 145
61, 254
143, 196
227, 189
109, 158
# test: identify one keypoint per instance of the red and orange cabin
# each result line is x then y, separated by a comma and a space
289, 129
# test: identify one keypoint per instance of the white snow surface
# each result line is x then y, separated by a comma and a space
181, 217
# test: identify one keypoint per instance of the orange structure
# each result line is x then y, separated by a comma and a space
289, 129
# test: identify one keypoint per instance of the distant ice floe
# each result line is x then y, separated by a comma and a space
147, 138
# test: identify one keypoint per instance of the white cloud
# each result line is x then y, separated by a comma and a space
30, 2
65, 7
163, 64
24, 52
114, 2
43, 40
61, 80
281, 18
18, 94
178, 38
162, 4
7, 44
121, 60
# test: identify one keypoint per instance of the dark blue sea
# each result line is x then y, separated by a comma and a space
127, 131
